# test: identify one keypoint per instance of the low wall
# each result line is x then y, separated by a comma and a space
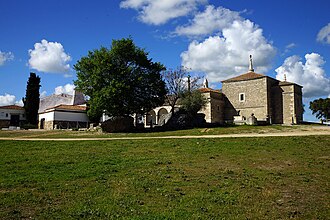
4, 123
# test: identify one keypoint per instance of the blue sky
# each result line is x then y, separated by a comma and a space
210, 37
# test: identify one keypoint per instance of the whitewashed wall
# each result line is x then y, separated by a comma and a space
6, 113
64, 116
48, 116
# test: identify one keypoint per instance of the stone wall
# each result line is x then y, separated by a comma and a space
277, 105
272, 99
292, 104
48, 125
217, 108
299, 108
255, 97
214, 107
288, 104
206, 109
4, 123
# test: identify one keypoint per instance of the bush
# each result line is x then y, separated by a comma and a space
29, 126
118, 124
192, 102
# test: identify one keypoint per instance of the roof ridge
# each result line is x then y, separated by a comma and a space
245, 76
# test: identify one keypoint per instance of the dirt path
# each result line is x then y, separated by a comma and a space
309, 132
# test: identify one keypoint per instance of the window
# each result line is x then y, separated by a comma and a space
242, 97
6, 115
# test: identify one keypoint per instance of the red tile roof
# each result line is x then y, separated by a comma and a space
245, 76
203, 90
285, 83
16, 107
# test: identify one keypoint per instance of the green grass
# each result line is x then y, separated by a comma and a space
232, 178
195, 131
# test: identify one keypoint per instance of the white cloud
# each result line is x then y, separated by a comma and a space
158, 12
8, 99
207, 22
49, 57
221, 57
5, 56
310, 74
19, 103
67, 89
324, 35
289, 47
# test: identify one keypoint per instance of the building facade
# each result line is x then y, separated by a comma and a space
11, 116
63, 117
265, 99
269, 100
63, 111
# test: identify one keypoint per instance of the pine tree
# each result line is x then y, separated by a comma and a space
32, 98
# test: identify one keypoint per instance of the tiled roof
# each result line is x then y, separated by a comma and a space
284, 83
69, 107
61, 99
54, 100
16, 107
203, 90
245, 76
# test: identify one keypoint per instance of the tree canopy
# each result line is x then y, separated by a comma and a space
121, 80
192, 102
177, 85
321, 108
32, 98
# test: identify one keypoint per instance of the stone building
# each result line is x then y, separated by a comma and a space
251, 98
269, 100
214, 106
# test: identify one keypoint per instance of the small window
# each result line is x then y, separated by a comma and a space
6, 115
218, 108
241, 97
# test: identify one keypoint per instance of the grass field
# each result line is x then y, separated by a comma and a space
230, 178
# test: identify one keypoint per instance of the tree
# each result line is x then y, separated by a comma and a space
177, 85
121, 80
192, 102
321, 108
32, 99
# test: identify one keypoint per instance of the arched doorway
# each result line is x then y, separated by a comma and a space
151, 118
161, 112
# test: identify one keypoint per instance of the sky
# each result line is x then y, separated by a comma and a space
208, 37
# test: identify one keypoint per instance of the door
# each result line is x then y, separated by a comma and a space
14, 120
42, 123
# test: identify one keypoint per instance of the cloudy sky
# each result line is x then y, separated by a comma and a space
213, 38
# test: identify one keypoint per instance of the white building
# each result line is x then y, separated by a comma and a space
63, 111
64, 117
11, 115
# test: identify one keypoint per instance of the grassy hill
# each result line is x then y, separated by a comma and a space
230, 178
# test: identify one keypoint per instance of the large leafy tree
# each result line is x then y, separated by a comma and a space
321, 108
31, 99
121, 80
